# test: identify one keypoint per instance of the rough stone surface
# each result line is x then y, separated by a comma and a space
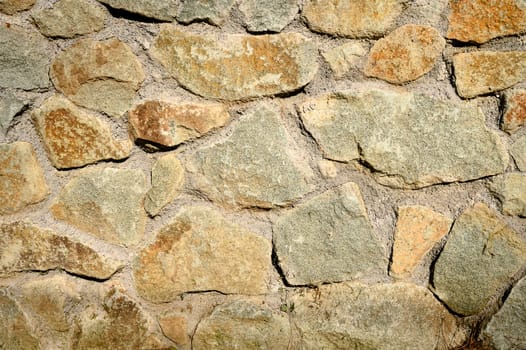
23, 181
202, 251
511, 191
107, 202
212, 11
268, 15
514, 116
380, 316
15, 333
236, 66
352, 18
164, 10
17, 68
418, 229
73, 138
243, 325
252, 168
479, 21
328, 239
411, 140
10, 106
169, 124
484, 72
481, 255
175, 328
343, 58
518, 152
11, 7
167, 181
405, 54
101, 75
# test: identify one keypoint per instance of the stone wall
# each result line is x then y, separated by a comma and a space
262, 174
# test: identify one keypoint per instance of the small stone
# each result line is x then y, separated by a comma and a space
73, 138
343, 58
11, 7
10, 106
169, 124
106, 203
202, 251
418, 229
352, 18
251, 168
327, 169
479, 21
101, 75
167, 181
518, 152
23, 181
481, 255
514, 116
243, 325
175, 328
15, 332
511, 191
212, 11
268, 15
484, 72
328, 239
236, 67
405, 54
164, 10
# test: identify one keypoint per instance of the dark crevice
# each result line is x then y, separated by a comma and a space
131, 16
151, 146
277, 267
73, 274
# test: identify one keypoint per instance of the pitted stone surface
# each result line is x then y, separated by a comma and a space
213, 11
268, 15
511, 191
343, 58
11, 7
10, 106
514, 116
164, 10
518, 152
15, 332
167, 181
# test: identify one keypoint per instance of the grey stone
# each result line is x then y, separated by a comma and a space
268, 15
518, 152
511, 191
327, 239
15, 333
167, 181
164, 10
343, 58
10, 106
212, 11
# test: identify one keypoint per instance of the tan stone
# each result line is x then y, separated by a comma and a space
484, 72
514, 116
202, 251
73, 138
418, 229
11, 7
518, 152
212, 11
343, 58
175, 328
167, 181
405, 54
15, 332
482, 20
23, 181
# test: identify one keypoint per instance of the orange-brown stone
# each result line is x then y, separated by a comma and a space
11, 7
514, 116
175, 328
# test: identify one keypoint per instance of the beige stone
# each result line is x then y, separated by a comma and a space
514, 116
175, 328
212, 11
11, 7
343, 58
15, 332
518, 152
511, 191
167, 181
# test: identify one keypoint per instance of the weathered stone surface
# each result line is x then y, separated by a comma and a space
343, 58
417, 230
15, 333
268, 15
518, 152
106, 203
243, 325
252, 168
514, 116
202, 251
23, 181
170, 124
481, 255
212, 11
405, 54
11, 7
483, 72
175, 328
511, 191
328, 239
10, 106
17, 68
68, 18
236, 67
101, 75
380, 316
167, 181
73, 138
481, 20
352, 18
411, 140
164, 10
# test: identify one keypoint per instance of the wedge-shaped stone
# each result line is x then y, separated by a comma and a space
10, 106
108, 203
73, 138
167, 181
343, 58
15, 332
212, 11
481, 255
518, 152
202, 251
164, 10
11, 7
514, 116
101, 75
238, 66
268, 15
411, 140
328, 239
511, 191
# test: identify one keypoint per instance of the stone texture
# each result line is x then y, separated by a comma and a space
23, 181
327, 239
418, 229
105, 202
514, 116
17, 68
481, 255
511, 191
410, 140
101, 75
236, 67
243, 325
352, 18
381, 316
164, 10
15, 333
251, 168
167, 182
405, 54
479, 21
202, 251
212, 11
10, 106
169, 124
484, 72
268, 15
11, 7
73, 138
518, 152
175, 328
343, 58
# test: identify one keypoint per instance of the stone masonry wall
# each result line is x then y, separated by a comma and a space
262, 174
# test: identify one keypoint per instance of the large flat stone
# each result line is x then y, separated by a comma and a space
514, 116
11, 7
212, 11
164, 10
511, 191
15, 332
268, 15
518, 152
10, 106
167, 181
